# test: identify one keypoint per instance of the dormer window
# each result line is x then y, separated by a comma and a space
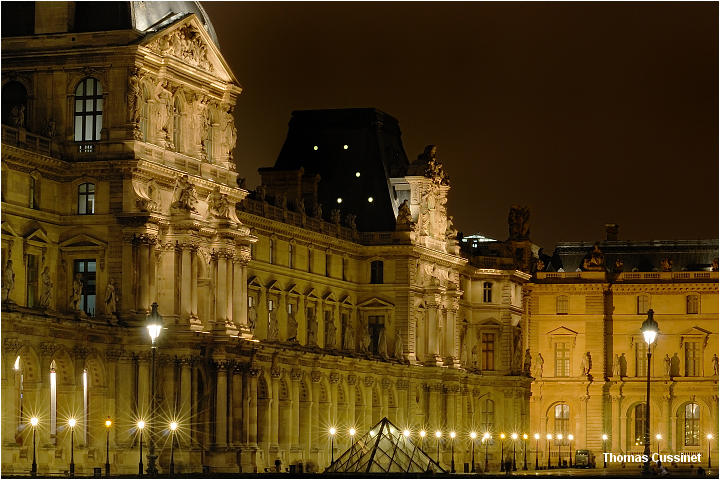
88, 112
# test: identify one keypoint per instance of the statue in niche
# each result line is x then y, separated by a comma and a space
8, 280
51, 129
616, 366
667, 363
519, 223
218, 204
365, 339
675, 366
17, 115
474, 355
164, 110
398, 350
539, 365
292, 328
273, 327
586, 363
335, 216
133, 95
715, 364
252, 318
622, 361
619, 265
317, 211
47, 284
666, 265
595, 261
330, 333
230, 132
76, 296
517, 350
382, 343
184, 196
404, 218
312, 330
527, 363
349, 337
463, 350
110, 298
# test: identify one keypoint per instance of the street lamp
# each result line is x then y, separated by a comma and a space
473, 436
108, 424
537, 450
422, 438
502, 452
604, 439
71, 423
154, 323
514, 437
141, 427
34, 423
438, 435
548, 437
649, 330
525, 437
709, 439
173, 427
333, 431
559, 437
486, 439
352, 432
658, 437
452, 452
570, 437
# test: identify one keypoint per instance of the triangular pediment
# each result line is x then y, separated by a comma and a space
82, 241
274, 286
8, 229
254, 282
490, 322
330, 297
696, 331
562, 331
312, 293
292, 290
37, 236
346, 301
188, 42
375, 303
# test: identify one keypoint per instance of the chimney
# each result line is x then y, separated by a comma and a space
611, 231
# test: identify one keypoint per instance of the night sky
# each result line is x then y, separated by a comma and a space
588, 113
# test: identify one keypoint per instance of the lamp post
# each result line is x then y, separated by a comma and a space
422, 438
352, 432
34, 423
502, 452
452, 452
709, 439
108, 424
525, 438
514, 437
173, 427
658, 437
141, 427
473, 436
537, 450
438, 435
559, 437
486, 439
649, 330
571, 437
333, 431
548, 437
154, 326
71, 423
604, 439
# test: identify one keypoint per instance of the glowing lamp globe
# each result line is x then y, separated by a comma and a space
649, 328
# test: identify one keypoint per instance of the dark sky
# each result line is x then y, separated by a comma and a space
588, 113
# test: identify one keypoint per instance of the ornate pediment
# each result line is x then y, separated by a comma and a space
561, 334
292, 290
37, 236
375, 303
274, 286
330, 297
695, 334
82, 242
346, 301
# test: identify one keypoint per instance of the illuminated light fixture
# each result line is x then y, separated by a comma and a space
352, 432
34, 421
370, 199
438, 434
537, 436
709, 436
649, 328
357, 174
141, 424
604, 437
406, 433
423, 433
502, 436
548, 436
525, 436
473, 435
173, 426
559, 436
345, 147
339, 200
333, 431
315, 147
514, 436
658, 437
72, 422
108, 422
571, 437
452, 434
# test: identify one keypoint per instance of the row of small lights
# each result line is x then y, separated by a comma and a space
316, 148
357, 175
72, 422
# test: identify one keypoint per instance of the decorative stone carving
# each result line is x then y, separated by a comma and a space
186, 44
429, 165
622, 361
273, 327
519, 223
382, 343
351, 379
164, 112
350, 221
527, 362
317, 211
300, 206
616, 366
667, 363
335, 216
218, 204
76, 295
368, 381
47, 288
229, 132
595, 261
292, 328
110, 298
666, 264
334, 378
147, 196
586, 363
539, 364
315, 376
675, 365
619, 265
330, 333
349, 336
184, 196
450, 231
365, 339
715, 364
11, 345
252, 318
8, 280
312, 330
398, 350
404, 219
134, 99
474, 357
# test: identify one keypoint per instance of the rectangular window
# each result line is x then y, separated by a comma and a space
272, 251
310, 256
375, 324
290, 308
643, 304
85, 270
376, 271
86, 199
251, 301
488, 351
562, 419
32, 273
640, 359
32, 198
692, 425
562, 359
487, 292
692, 359
693, 304
562, 305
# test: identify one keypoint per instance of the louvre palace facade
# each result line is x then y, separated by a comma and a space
333, 294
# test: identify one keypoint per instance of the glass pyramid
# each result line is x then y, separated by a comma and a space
384, 449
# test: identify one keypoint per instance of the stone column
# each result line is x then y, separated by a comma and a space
221, 290
237, 406
10, 388
186, 275
294, 426
152, 272
252, 377
185, 392
432, 334
243, 293
315, 436
237, 290
143, 303
195, 271
221, 426
434, 406
275, 407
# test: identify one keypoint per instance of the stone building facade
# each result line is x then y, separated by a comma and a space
119, 190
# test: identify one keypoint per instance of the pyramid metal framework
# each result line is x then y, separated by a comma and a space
384, 449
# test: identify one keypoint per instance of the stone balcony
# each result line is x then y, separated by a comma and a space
628, 277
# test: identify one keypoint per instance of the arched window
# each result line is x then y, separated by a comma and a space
177, 125
693, 304
88, 112
562, 305
639, 434
562, 419
643, 304
692, 425
376, 271
14, 103
488, 415
487, 292
86, 199
53, 399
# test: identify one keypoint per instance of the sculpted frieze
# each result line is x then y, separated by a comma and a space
185, 44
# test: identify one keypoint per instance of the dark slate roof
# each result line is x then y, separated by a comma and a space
375, 150
642, 256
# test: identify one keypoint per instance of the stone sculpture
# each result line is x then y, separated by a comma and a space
17, 115
8, 280
527, 363
273, 327
292, 328
587, 363
616, 366
539, 365
595, 262
76, 296
110, 298
474, 355
365, 340
133, 95
312, 330
675, 365
623, 365
335, 216
382, 343
519, 223
184, 196
715, 364
667, 362
404, 218
349, 337
330, 333
398, 350
252, 318
47, 284
218, 204
666, 265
